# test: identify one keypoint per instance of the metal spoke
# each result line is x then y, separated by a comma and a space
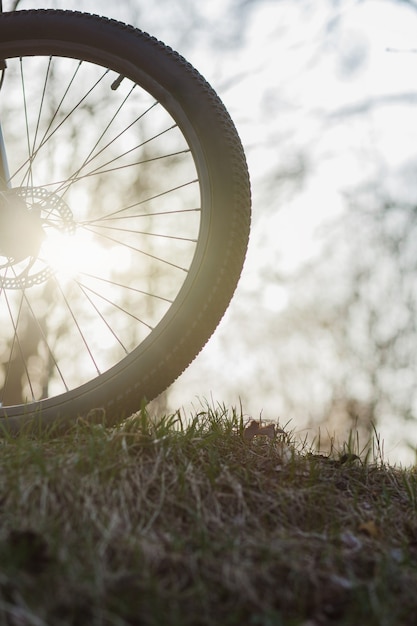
49, 349
74, 319
147, 254
129, 162
142, 232
16, 342
150, 198
47, 136
138, 215
41, 105
89, 157
98, 170
127, 287
101, 316
60, 184
29, 171
113, 304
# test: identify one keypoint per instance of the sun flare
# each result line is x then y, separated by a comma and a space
70, 254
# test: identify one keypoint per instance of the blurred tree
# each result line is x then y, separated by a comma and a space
339, 340
337, 343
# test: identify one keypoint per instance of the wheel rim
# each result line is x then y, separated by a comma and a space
120, 212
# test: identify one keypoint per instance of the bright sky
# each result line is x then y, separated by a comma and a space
286, 87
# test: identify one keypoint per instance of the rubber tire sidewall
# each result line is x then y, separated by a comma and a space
158, 361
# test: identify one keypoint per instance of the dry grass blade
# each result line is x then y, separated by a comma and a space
161, 522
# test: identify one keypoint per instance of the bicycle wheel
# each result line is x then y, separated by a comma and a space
125, 220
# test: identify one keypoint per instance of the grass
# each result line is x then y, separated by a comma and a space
158, 523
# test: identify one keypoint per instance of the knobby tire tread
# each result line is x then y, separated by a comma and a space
125, 393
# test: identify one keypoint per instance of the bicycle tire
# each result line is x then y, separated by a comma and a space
144, 371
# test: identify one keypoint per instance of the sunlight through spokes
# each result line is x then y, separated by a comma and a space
71, 254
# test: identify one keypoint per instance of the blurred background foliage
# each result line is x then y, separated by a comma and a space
322, 330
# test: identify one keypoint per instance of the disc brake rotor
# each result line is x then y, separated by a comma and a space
26, 216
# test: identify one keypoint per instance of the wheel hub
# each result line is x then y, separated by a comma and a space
26, 215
